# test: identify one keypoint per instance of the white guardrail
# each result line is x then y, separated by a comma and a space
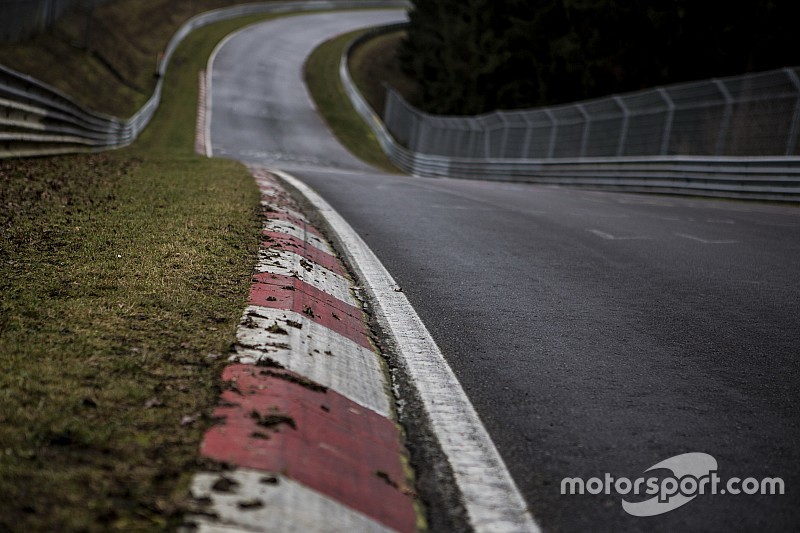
37, 119
748, 177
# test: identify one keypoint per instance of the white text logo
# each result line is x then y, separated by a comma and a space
693, 474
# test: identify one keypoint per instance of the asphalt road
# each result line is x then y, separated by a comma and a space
594, 332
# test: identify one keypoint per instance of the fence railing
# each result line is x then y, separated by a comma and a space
751, 115
500, 148
37, 119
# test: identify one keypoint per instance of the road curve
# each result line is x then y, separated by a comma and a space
594, 332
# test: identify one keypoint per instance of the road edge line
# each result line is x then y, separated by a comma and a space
490, 496
208, 103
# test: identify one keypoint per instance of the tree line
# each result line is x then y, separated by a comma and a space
474, 56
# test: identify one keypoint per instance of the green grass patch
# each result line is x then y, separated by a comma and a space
123, 276
120, 276
325, 86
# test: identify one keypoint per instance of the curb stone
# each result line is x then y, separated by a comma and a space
306, 432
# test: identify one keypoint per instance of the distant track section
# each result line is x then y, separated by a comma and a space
775, 178
37, 119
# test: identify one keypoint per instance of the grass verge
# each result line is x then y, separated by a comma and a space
325, 86
374, 63
123, 276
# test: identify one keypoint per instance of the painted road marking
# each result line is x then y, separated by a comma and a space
290, 243
201, 131
208, 102
283, 423
609, 237
491, 499
705, 241
299, 344
285, 263
286, 505
289, 228
292, 294
293, 217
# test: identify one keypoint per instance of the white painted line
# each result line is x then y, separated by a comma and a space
705, 241
247, 501
283, 226
491, 499
602, 234
200, 124
209, 92
286, 263
609, 237
314, 351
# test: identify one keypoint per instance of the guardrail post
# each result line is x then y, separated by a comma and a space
668, 124
623, 134
526, 144
436, 136
587, 122
474, 132
418, 133
791, 141
413, 129
551, 149
487, 142
504, 141
388, 107
726, 117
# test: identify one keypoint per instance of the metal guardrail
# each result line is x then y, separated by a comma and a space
747, 177
751, 115
37, 119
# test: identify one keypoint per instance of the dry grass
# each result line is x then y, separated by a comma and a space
119, 277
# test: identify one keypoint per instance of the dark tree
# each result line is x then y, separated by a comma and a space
474, 56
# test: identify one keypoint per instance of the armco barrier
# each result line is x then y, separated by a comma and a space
756, 114
37, 119
746, 177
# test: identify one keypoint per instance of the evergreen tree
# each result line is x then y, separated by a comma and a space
475, 56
